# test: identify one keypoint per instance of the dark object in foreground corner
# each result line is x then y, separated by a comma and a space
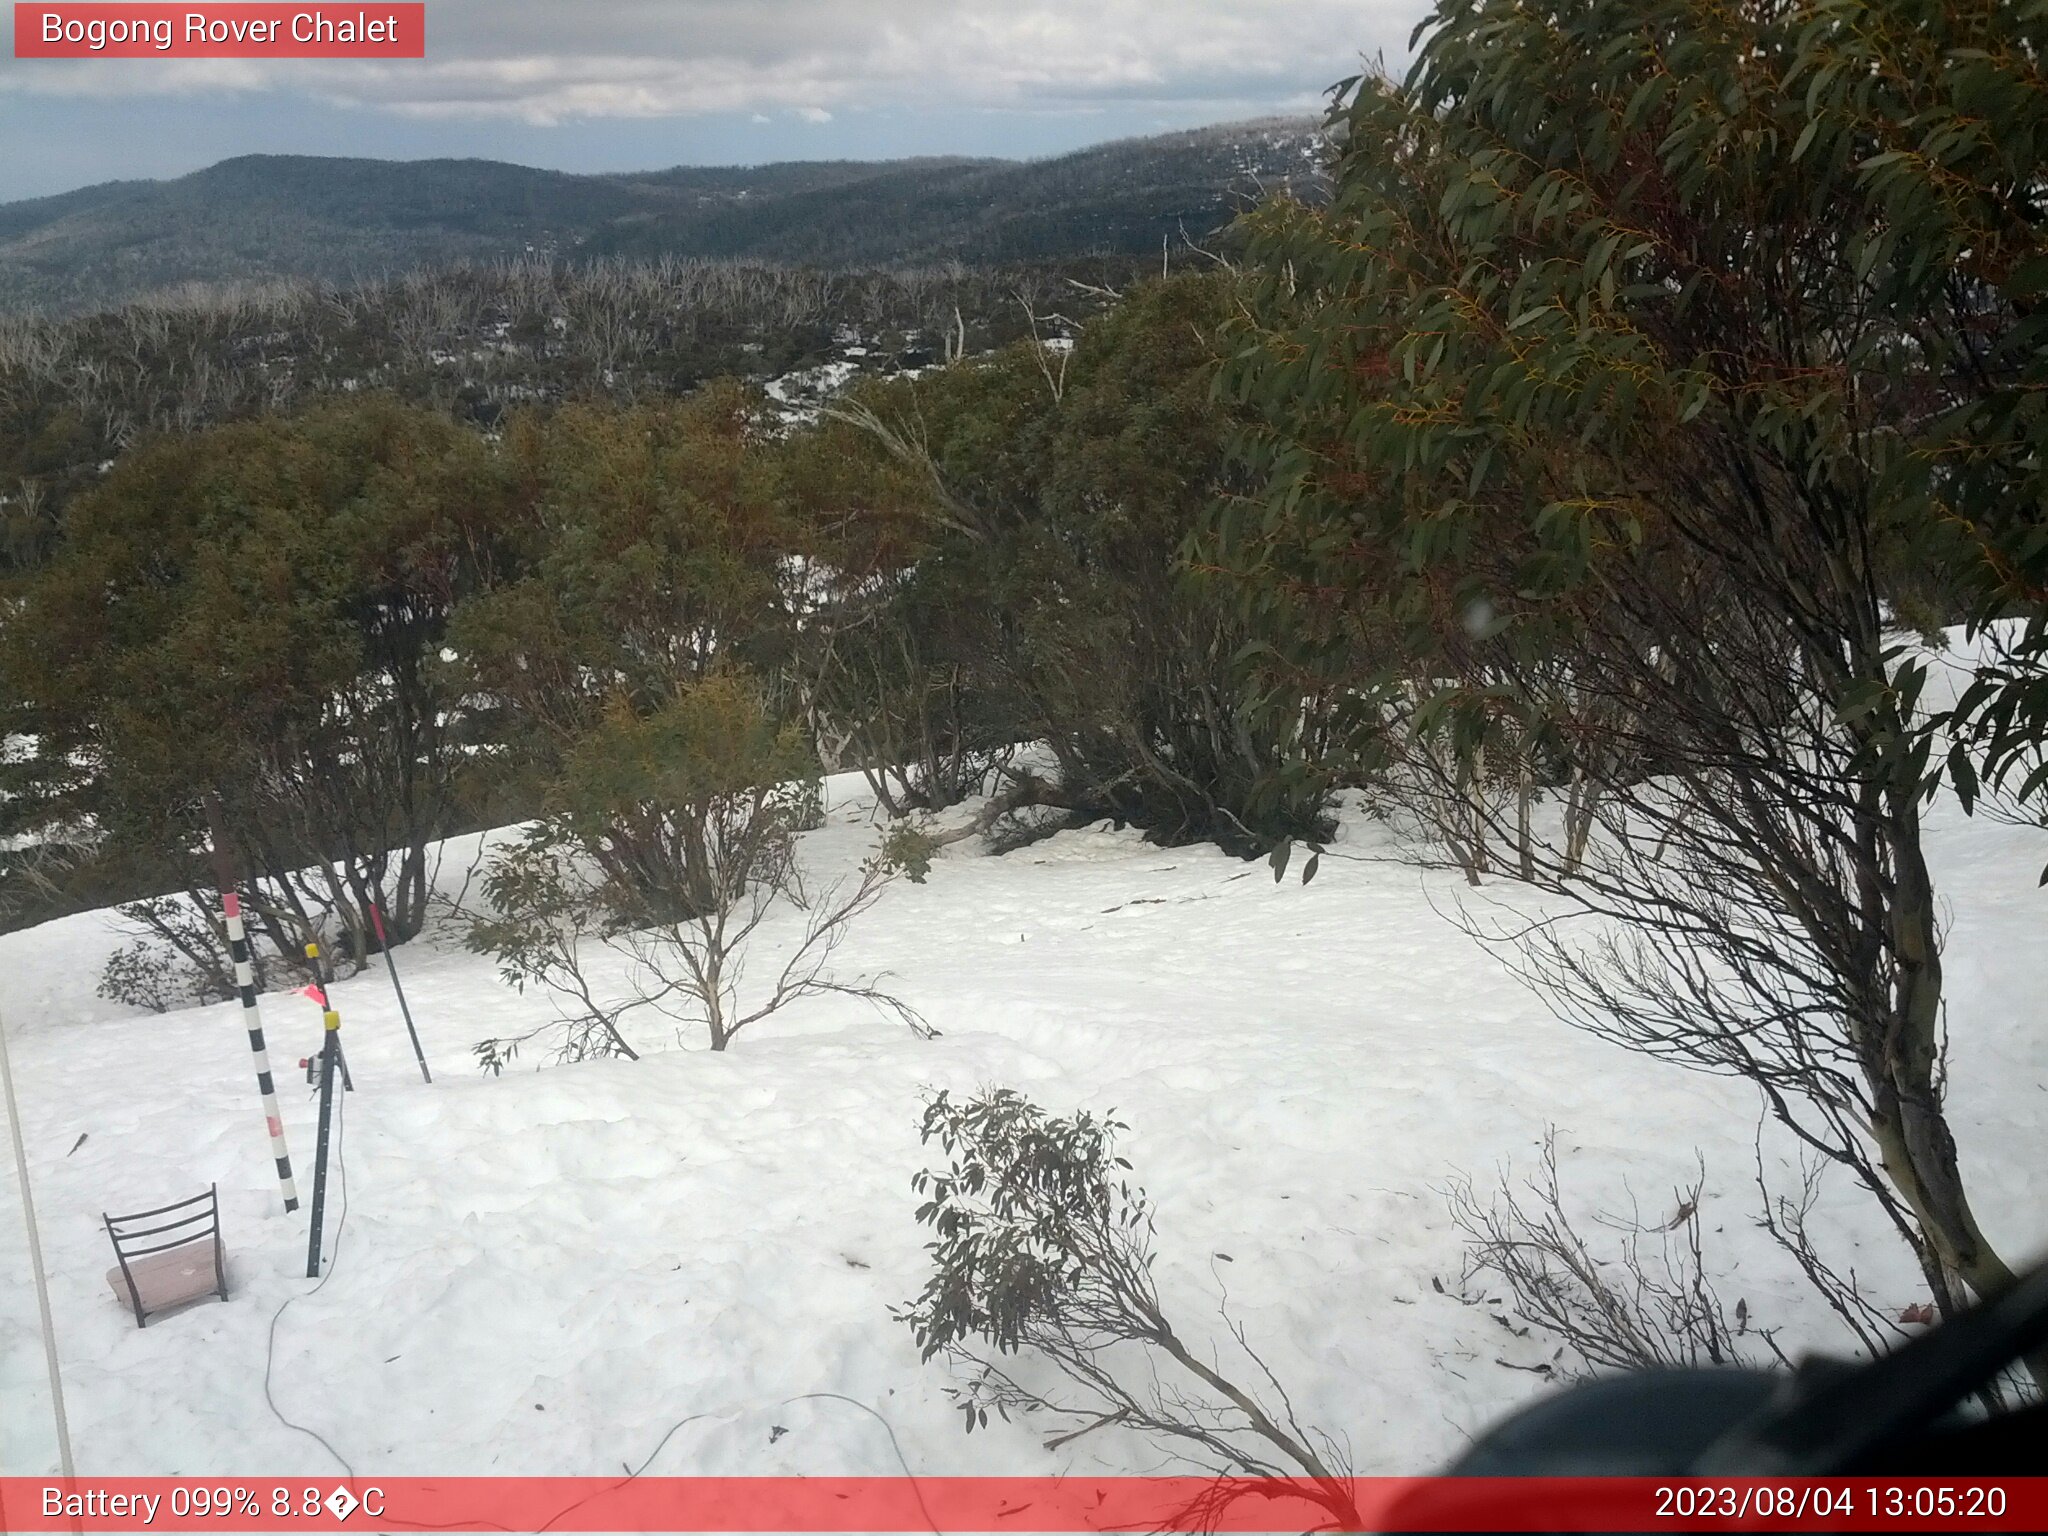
1907, 1415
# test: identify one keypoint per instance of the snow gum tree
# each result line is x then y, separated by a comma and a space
895, 641
1041, 1256
1055, 494
669, 838
256, 613
1638, 353
638, 667
652, 549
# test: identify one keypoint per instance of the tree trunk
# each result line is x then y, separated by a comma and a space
1579, 805
1525, 796
1475, 807
1916, 1147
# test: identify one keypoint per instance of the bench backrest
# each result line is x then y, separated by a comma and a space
177, 1225
182, 1221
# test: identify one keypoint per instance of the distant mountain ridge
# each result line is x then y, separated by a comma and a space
266, 216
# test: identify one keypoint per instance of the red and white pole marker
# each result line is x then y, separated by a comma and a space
245, 983
383, 943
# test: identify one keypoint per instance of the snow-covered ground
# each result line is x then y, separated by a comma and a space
799, 397
542, 1272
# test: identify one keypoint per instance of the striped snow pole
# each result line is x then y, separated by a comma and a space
245, 983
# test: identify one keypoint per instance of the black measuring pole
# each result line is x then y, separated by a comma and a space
330, 1049
391, 965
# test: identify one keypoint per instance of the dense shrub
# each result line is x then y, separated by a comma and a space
1039, 507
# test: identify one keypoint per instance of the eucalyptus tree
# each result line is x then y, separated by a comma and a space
1640, 355
254, 615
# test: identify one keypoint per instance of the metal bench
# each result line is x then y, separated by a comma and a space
172, 1262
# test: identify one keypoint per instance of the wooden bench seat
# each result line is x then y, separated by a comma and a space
168, 1257
170, 1278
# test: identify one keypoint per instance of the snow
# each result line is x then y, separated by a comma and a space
800, 394
543, 1272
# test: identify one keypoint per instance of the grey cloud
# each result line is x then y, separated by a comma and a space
547, 61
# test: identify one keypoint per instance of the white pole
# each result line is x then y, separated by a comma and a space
35, 1257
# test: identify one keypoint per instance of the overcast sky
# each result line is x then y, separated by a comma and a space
586, 85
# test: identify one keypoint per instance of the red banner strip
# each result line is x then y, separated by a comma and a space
373, 30
1000, 1504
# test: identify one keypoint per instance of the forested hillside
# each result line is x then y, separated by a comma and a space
478, 340
270, 216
